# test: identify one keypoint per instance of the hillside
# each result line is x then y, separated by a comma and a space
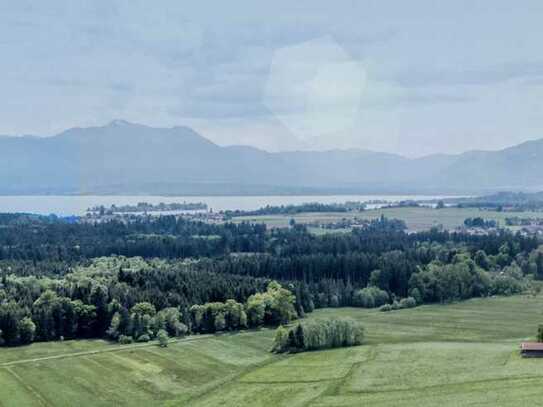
123, 157
447, 355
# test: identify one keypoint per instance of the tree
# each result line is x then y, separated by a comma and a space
416, 295
364, 298
299, 337
10, 314
141, 316
280, 341
375, 278
539, 265
113, 330
370, 297
280, 304
220, 322
162, 337
319, 334
256, 309
27, 329
233, 315
169, 319
481, 259
197, 314
86, 317
540, 333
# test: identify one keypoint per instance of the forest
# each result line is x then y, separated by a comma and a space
300, 208
128, 281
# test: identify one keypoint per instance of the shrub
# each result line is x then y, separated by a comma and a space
125, 339
370, 297
27, 329
144, 338
417, 296
364, 298
381, 297
162, 337
280, 341
385, 308
408, 302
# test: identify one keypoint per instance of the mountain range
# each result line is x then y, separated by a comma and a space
127, 158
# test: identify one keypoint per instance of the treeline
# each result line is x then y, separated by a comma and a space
173, 237
296, 209
272, 307
149, 207
143, 323
479, 222
129, 298
332, 278
163, 236
509, 201
318, 334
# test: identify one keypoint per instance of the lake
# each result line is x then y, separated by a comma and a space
77, 205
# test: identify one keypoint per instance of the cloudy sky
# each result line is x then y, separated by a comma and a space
413, 77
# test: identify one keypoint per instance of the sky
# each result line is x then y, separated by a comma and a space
413, 78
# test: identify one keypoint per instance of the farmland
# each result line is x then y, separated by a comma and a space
459, 354
416, 218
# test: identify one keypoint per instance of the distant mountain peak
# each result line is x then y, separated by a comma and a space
120, 123
124, 157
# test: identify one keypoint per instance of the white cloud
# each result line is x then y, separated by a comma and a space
314, 88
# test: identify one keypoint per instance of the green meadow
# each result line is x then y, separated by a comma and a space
416, 218
462, 354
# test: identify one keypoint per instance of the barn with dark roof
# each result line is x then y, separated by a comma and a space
531, 349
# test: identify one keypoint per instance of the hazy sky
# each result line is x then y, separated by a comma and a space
412, 77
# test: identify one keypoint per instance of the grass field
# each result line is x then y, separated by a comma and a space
463, 354
415, 218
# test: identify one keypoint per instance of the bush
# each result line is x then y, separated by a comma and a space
318, 334
144, 338
27, 330
385, 308
280, 341
408, 302
125, 339
162, 337
416, 295
363, 298
381, 297
370, 297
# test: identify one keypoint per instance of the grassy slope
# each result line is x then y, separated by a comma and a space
416, 218
456, 355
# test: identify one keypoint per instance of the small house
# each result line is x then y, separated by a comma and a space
531, 349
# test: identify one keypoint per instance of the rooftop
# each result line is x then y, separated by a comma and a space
531, 346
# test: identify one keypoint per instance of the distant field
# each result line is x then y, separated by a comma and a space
462, 354
415, 218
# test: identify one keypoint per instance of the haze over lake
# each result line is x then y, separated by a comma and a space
77, 205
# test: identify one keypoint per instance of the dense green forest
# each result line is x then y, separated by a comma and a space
128, 281
301, 208
511, 201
